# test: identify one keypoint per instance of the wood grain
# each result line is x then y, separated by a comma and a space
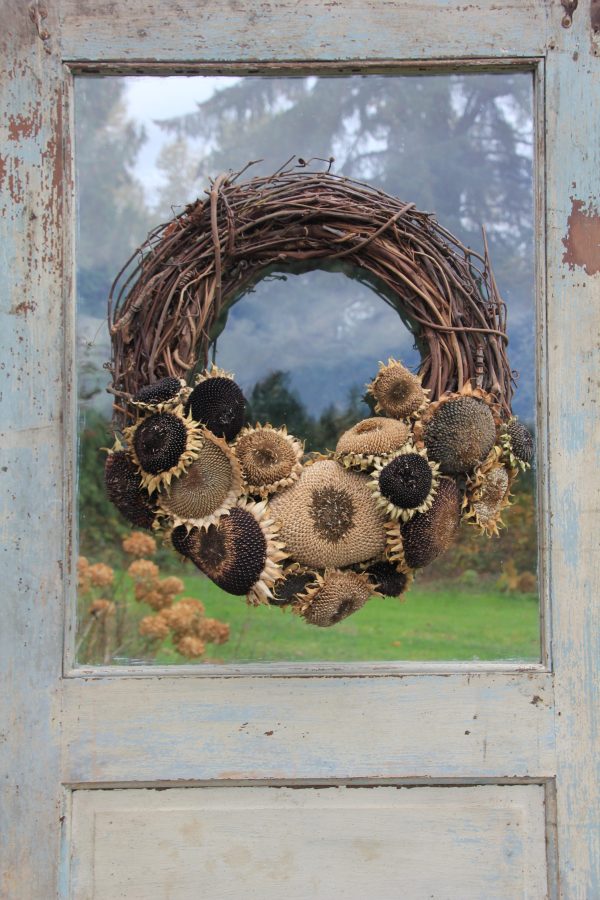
33, 277
573, 381
476, 843
169, 729
287, 30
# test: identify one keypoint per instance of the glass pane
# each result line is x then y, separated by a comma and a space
304, 344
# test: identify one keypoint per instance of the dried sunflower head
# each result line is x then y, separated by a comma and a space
397, 392
207, 489
218, 403
270, 458
459, 430
241, 553
388, 580
334, 596
163, 444
416, 543
371, 441
406, 484
517, 444
292, 586
160, 395
329, 517
488, 493
124, 490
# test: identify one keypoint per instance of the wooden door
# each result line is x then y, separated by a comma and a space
386, 781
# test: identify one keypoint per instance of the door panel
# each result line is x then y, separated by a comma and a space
484, 842
421, 726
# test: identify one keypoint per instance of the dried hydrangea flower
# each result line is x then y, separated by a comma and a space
143, 570
101, 575
190, 646
329, 518
139, 544
212, 631
101, 608
154, 627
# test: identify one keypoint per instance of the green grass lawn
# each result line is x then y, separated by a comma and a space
435, 622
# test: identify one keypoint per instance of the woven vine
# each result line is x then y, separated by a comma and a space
168, 301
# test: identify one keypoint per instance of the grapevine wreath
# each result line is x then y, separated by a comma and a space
320, 533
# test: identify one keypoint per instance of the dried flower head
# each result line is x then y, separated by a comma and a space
416, 543
218, 403
212, 631
397, 392
160, 395
388, 580
517, 444
329, 517
292, 586
139, 544
155, 627
241, 553
101, 575
153, 598
101, 608
190, 646
270, 458
406, 484
371, 441
334, 597
163, 444
143, 570
124, 489
170, 586
183, 617
209, 487
488, 494
459, 430
83, 574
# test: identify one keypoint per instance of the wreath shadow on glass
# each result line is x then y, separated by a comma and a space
319, 533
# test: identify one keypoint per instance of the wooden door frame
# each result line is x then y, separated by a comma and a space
538, 723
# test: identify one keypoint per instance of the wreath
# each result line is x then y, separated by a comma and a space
320, 533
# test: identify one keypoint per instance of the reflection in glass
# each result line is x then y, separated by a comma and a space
303, 344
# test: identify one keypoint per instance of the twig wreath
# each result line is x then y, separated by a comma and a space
320, 533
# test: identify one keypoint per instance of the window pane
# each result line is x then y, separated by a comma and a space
303, 344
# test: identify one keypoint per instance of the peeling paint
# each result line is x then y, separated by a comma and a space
20, 126
26, 306
582, 240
